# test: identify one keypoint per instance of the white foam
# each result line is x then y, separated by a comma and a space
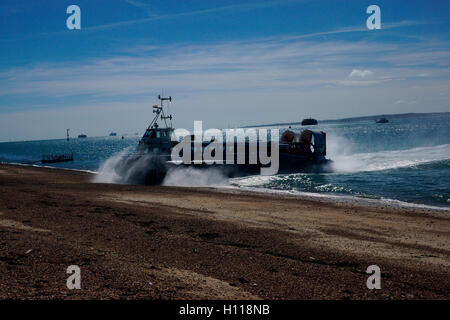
343, 198
385, 160
107, 172
191, 177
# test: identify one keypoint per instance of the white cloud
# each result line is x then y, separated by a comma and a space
401, 101
356, 73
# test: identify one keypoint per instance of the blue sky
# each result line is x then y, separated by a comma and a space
228, 63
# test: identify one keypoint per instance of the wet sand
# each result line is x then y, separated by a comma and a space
141, 242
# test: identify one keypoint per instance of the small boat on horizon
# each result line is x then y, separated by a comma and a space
309, 122
382, 120
82, 136
113, 134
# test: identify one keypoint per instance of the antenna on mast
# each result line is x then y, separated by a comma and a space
159, 110
163, 116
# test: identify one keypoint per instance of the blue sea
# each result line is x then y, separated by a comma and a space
405, 161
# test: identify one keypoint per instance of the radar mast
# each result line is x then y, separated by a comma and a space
159, 110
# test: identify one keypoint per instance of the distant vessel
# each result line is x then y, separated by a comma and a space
382, 120
48, 158
309, 122
113, 134
82, 136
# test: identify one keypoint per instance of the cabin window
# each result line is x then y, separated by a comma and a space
158, 134
155, 150
312, 144
153, 134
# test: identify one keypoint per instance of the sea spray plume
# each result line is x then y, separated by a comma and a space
391, 159
346, 160
128, 168
384, 160
145, 169
107, 172
190, 177
341, 150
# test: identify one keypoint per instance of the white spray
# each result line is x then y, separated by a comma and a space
191, 177
345, 160
107, 172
